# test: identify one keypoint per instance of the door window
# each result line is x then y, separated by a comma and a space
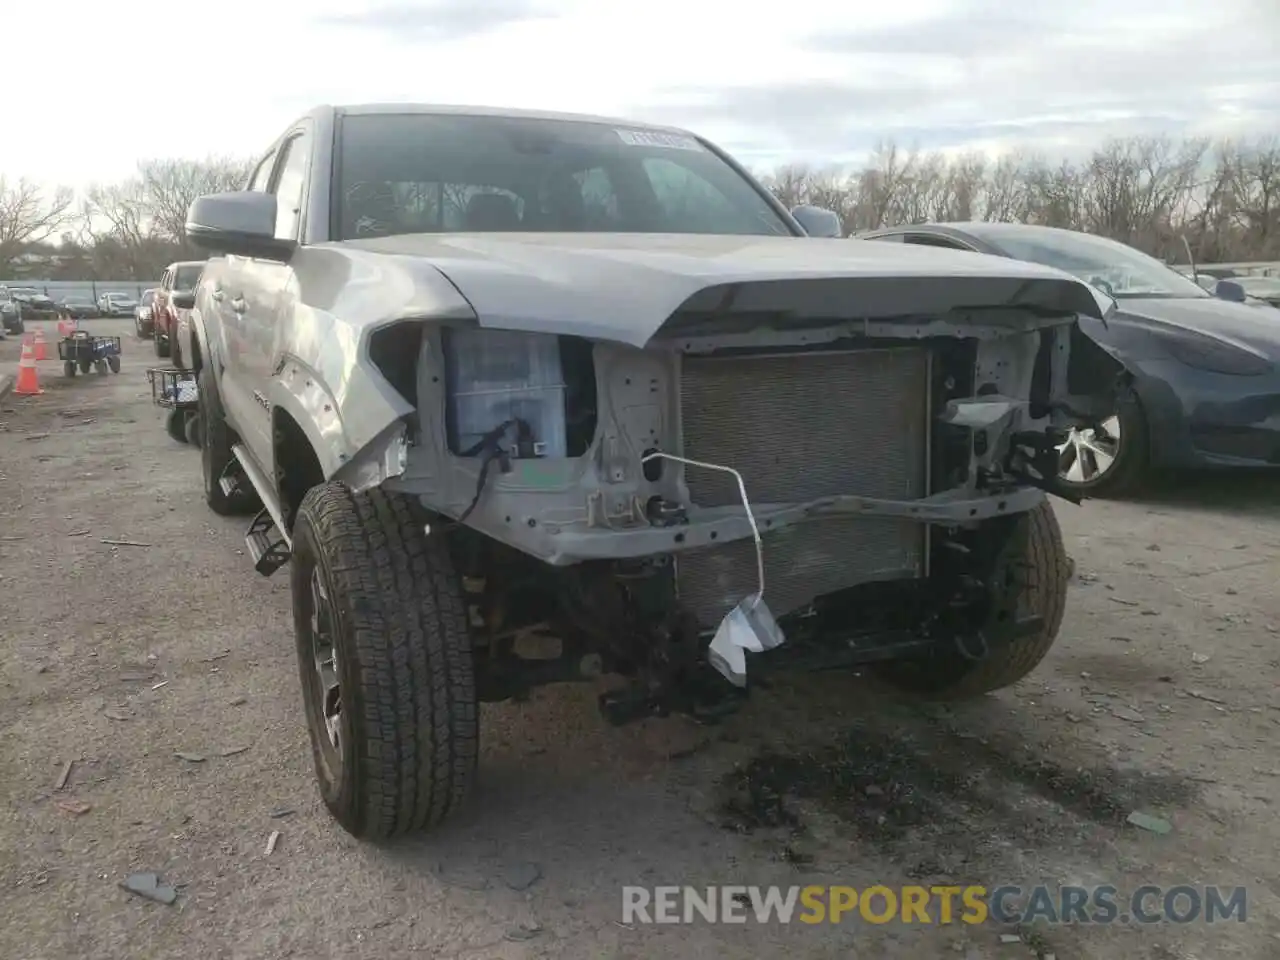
290, 185
262, 175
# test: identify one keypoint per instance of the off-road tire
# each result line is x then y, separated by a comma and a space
215, 450
86, 366
161, 345
114, 363
410, 717
69, 368
1045, 573
173, 426
191, 427
175, 354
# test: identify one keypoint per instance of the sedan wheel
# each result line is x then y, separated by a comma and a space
1110, 458
1088, 454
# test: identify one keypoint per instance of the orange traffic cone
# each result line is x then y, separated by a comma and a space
40, 353
28, 384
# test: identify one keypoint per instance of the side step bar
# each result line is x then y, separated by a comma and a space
267, 547
267, 540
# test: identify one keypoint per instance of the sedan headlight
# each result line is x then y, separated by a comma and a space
1214, 356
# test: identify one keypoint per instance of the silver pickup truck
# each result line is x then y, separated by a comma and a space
526, 398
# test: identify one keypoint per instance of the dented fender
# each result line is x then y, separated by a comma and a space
373, 451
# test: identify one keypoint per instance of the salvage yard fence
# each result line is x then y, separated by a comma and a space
89, 290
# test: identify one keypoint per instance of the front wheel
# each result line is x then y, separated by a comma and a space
1042, 573
114, 363
160, 344
385, 660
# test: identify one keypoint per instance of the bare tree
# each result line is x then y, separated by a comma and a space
170, 187
29, 215
1150, 192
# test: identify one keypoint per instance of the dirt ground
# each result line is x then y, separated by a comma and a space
122, 659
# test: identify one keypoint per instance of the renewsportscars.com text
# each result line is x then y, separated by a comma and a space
972, 904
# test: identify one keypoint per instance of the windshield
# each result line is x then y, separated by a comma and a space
25, 292
147, 297
1117, 270
431, 173
186, 278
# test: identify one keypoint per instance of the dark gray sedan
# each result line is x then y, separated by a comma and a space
1204, 368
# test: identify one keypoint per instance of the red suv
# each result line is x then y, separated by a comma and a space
178, 278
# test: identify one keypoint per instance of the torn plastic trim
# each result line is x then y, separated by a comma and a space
750, 626
385, 458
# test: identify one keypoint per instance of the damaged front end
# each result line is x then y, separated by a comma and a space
835, 491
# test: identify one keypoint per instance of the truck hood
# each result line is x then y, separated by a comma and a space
624, 287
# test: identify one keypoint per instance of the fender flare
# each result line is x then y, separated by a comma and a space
299, 392
302, 394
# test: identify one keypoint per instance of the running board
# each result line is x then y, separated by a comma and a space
267, 539
267, 546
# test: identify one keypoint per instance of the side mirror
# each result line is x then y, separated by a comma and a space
819, 222
1230, 290
242, 224
185, 300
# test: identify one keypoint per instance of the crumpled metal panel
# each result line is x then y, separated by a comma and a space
799, 427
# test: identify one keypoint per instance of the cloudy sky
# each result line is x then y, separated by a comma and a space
803, 80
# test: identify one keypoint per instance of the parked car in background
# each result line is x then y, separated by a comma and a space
77, 307
1261, 289
183, 347
178, 278
10, 312
453, 414
116, 304
1204, 371
144, 314
33, 304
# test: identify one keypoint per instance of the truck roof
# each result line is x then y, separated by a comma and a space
478, 111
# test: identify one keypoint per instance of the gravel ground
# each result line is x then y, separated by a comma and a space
164, 674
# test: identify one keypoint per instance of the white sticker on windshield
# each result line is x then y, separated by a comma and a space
659, 138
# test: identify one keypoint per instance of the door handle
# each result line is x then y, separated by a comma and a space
218, 294
239, 305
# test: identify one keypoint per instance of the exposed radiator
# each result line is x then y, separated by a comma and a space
799, 427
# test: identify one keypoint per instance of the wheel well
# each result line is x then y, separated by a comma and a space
297, 466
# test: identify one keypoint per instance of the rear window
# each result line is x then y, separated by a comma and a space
431, 173
186, 278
